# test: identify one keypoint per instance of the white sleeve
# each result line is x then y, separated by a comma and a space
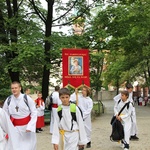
8, 128
117, 97
73, 97
32, 123
116, 109
55, 135
82, 133
89, 109
5, 107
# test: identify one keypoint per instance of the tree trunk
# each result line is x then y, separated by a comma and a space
117, 85
3, 38
12, 32
46, 70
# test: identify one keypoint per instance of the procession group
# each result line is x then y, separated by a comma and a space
21, 118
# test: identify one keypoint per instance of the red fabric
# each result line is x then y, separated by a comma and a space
76, 80
6, 136
40, 122
54, 105
20, 122
39, 101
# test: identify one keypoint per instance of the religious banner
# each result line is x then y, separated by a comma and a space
75, 64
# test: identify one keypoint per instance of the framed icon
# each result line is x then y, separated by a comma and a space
75, 65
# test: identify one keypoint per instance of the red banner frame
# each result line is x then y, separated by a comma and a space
75, 63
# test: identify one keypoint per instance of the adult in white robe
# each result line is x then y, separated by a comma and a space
9, 142
56, 103
71, 138
23, 116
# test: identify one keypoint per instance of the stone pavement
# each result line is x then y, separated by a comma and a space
101, 130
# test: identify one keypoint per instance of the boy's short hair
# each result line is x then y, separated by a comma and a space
16, 82
126, 93
64, 91
129, 86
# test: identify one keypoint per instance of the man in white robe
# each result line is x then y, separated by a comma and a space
23, 116
8, 135
56, 103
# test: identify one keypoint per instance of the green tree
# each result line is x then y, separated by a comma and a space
66, 18
127, 25
27, 47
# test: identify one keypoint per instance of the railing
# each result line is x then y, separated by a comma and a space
98, 107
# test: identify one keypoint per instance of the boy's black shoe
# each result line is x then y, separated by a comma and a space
37, 131
81, 148
88, 145
134, 138
40, 129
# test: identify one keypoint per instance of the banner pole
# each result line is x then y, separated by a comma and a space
76, 92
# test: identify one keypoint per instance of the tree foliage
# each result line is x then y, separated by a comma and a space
127, 24
32, 52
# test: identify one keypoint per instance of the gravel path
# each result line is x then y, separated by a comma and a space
101, 130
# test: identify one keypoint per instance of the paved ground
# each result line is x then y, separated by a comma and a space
101, 130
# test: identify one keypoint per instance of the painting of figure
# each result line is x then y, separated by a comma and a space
76, 64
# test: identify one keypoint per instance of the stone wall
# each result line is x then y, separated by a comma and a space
106, 95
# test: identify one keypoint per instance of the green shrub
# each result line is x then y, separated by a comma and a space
4, 93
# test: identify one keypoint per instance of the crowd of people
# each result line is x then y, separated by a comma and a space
22, 117
141, 100
70, 125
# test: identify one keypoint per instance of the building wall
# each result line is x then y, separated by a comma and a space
106, 95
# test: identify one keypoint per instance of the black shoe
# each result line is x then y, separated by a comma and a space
37, 131
88, 145
134, 138
40, 129
81, 148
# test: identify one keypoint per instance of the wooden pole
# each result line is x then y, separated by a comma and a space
76, 92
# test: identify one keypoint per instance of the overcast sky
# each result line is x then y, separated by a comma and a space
64, 29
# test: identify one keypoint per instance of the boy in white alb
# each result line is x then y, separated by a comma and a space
40, 106
133, 134
124, 117
68, 133
85, 103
